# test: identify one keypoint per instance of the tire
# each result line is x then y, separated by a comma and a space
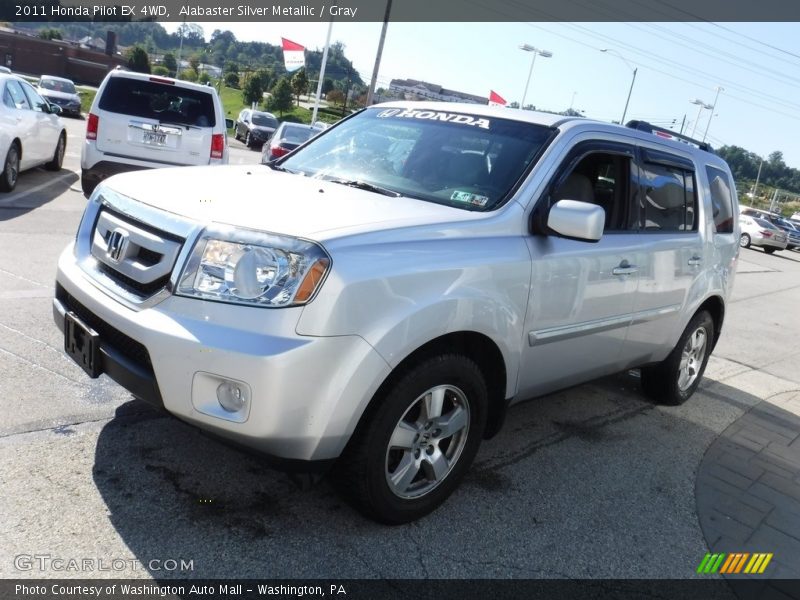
236, 133
399, 481
673, 381
58, 155
769, 249
247, 139
10, 173
88, 184
744, 241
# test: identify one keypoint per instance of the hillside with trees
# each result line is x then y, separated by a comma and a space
222, 50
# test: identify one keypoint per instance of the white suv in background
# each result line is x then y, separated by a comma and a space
138, 121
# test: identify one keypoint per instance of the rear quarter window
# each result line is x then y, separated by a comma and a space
721, 199
158, 101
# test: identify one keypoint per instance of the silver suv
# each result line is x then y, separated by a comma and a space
376, 299
139, 121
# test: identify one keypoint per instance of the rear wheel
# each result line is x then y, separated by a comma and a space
675, 379
769, 249
744, 241
10, 173
87, 184
418, 443
58, 155
247, 139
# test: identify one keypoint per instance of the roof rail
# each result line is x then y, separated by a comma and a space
669, 134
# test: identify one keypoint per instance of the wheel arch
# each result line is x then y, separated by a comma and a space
480, 348
716, 308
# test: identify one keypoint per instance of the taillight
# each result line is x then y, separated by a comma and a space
277, 151
766, 234
217, 145
91, 126
160, 80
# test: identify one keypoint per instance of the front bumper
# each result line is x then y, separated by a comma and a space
307, 393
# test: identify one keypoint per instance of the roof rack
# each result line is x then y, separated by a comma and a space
669, 134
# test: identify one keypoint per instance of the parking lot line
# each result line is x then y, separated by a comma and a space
17, 195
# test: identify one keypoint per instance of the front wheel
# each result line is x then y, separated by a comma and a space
418, 441
674, 380
744, 241
769, 249
10, 173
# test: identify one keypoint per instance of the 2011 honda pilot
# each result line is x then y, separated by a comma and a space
376, 299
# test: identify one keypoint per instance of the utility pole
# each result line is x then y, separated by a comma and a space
774, 201
373, 82
683, 123
713, 108
758, 177
322, 73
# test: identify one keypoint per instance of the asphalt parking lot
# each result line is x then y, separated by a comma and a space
591, 482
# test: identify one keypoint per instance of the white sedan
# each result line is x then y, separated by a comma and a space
31, 134
760, 232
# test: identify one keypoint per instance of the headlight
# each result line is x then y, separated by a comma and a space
252, 268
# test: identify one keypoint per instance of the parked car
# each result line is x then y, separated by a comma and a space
31, 134
339, 309
58, 90
138, 121
760, 232
286, 138
791, 230
254, 127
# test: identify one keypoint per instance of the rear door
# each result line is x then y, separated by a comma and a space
156, 120
674, 257
25, 124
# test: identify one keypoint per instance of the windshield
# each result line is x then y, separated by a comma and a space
264, 120
57, 85
457, 159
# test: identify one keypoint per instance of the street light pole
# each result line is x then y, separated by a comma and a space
713, 107
536, 51
630, 91
701, 105
634, 70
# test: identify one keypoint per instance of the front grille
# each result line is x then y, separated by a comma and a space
134, 256
110, 336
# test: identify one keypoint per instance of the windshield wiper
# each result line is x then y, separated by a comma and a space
369, 187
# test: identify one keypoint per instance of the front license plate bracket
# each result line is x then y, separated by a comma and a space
82, 344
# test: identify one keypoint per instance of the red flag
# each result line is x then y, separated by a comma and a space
496, 99
293, 55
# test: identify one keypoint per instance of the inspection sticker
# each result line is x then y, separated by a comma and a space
469, 198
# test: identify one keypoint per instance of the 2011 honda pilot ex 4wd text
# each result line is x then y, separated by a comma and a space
376, 299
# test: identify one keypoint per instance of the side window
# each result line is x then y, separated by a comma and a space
669, 199
18, 99
604, 179
36, 101
721, 199
7, 99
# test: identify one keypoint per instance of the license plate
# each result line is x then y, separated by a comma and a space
82, 344
157, 139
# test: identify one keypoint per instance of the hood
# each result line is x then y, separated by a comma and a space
256, 197
60, 95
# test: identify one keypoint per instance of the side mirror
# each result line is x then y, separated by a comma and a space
53, 109
229, 123
577, 220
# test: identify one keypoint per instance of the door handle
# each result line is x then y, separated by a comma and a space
695, 260
624, 269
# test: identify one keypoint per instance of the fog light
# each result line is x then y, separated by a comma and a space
232, 396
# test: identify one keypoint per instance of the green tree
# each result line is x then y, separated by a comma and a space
138, 60
50, 34
189, 75
253, 91
161, 70
336, 97
327, 86
170, 63
203, 77
281, 99
232, 80
299, 84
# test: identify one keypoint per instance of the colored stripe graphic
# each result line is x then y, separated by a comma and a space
728, 563
735, 563
715, 566
741, 562
701, 567
765, 563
